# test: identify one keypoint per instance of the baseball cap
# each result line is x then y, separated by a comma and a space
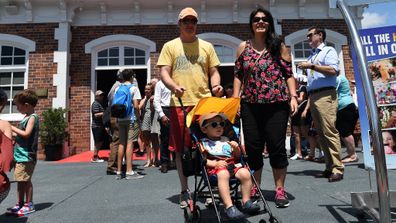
99, 92
187, 12
208, 116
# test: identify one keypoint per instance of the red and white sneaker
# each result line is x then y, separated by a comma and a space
13, 210
26, 209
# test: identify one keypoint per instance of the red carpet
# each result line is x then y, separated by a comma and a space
86, 157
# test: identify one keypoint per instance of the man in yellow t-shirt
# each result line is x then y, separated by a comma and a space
187, 65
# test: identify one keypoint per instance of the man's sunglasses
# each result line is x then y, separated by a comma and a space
310, 35
189, 21
215, 124
258, 19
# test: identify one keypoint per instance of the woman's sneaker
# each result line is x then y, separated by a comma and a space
281, 200
26, 209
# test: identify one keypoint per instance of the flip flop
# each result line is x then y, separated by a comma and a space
350, 160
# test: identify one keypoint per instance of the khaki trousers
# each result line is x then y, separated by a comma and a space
323, 106
115, 140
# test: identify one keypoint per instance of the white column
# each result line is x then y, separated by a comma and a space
62, 58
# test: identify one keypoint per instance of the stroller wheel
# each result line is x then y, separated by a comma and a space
188, 215
197, 214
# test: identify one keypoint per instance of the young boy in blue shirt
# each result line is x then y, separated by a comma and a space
221, 155
25, 150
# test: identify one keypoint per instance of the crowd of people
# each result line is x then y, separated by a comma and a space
270, 96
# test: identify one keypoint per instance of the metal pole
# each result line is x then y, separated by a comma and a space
379, 155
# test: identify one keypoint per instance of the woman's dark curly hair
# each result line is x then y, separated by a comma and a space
272, 40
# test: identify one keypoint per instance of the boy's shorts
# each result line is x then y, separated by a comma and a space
230, 168
24, 171
128, 131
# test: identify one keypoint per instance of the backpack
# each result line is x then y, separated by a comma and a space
121, 106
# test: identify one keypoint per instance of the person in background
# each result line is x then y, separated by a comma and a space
98, 130
162, 96
25, 151
113, 129
347, 116
322, 69
188, 67
150, 140
127, 132
264, 81
300, 124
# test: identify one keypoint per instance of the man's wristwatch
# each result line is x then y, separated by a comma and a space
312, 67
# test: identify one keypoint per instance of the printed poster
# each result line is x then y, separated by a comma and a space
379, 45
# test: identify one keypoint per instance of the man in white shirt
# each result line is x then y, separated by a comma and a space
162, 96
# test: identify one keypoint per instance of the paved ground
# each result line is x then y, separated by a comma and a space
81, 192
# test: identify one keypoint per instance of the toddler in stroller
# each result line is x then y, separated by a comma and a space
221, 156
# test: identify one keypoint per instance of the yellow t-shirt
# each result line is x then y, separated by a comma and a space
190, 63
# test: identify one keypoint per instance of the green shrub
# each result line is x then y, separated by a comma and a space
53, 127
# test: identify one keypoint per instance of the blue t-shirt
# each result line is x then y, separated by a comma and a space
220, 148
25, 149
344, 92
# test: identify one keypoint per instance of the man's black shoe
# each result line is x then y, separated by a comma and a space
325, 174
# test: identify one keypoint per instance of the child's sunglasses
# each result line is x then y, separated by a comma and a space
215, 124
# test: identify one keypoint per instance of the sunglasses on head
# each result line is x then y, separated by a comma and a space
215, 124
258, 19
189, 21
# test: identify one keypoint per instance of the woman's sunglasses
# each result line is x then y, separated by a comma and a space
215, 124
258, 19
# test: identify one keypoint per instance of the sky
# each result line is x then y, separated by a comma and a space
380, 14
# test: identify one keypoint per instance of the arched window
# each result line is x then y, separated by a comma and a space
226, 54
114, 52
121, 56
300, 49
225, 46
14, 55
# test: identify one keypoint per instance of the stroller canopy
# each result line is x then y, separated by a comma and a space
228, 106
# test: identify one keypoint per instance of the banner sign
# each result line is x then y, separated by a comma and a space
379, 45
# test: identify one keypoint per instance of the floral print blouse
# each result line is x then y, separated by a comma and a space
266, 82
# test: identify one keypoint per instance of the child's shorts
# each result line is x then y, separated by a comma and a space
231, 168
24, 171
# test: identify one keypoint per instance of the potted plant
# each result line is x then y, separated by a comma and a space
53, 132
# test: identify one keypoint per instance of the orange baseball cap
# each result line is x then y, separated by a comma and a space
187, 12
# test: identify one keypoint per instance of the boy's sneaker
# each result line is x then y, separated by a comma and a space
234, 214
184, 198
281, 200
133, 176
14, 210
26, 209
250, 208
96, 159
